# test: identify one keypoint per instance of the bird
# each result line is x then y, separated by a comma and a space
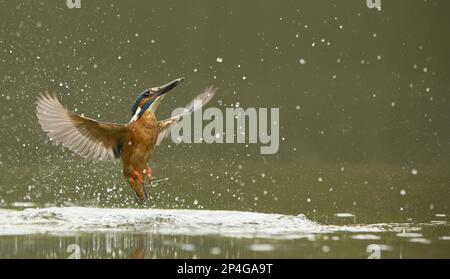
133, 143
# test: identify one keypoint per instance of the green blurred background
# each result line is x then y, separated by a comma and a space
363, 98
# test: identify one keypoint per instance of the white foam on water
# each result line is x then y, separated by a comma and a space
409, 235
420, 240
261, 247
366, 237
70, 220
344, 215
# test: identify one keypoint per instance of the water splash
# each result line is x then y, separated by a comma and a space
63, 220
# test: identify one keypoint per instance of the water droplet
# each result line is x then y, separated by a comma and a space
325, 248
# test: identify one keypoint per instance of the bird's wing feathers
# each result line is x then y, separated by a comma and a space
84, 136
166, 125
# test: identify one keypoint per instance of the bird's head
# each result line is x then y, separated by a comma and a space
150, 99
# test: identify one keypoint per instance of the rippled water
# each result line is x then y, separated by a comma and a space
57, 232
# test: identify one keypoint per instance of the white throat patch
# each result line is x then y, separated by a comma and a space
135, 116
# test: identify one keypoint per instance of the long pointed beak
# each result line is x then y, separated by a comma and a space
168, 86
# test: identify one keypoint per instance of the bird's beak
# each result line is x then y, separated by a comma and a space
161, 90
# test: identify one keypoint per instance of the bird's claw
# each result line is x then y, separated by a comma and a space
138, 200
146, 186
148, 173
141, 184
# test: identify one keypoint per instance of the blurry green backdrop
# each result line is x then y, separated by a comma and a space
363, 98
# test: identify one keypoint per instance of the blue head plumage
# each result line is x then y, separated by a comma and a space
138, 100
152, 94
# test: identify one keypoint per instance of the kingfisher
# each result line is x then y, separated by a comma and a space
133, 143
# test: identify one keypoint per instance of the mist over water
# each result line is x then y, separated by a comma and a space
364, 134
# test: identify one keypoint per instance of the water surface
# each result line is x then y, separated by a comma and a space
57, 232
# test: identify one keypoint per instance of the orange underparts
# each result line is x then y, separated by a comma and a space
137, 176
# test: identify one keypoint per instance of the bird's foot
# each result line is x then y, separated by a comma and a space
146, 190
148, 174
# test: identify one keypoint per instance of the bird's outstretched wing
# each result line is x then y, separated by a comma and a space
84, 136
167, 124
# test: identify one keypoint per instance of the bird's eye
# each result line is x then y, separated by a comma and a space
147, 94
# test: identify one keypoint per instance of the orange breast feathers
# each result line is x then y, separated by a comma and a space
140, 141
